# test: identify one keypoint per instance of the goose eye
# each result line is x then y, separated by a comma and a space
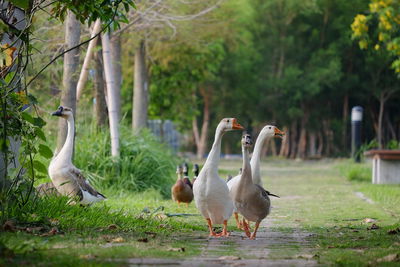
227, 121
270, 127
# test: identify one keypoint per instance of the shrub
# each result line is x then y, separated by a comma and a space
356, 172
144, 162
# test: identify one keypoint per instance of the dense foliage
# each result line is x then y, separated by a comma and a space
144, 164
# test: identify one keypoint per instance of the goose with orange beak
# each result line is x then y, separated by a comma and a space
250, 199
267, 132
211, 194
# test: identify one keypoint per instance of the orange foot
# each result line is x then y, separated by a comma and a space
246, 228
225, 229
253, 235
212, 233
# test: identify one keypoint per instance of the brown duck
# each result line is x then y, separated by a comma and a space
182, 190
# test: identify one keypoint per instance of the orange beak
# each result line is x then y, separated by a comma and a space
236, 125
279, 133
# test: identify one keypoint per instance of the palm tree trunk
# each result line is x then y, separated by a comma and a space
111, 95
89, 54
140, 90
116, 57
70, 76
100, 106
201, 139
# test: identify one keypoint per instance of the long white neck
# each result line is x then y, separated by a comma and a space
65, 154
212, 161
246, 176
256, 157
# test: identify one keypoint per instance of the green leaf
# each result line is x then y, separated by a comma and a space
24, 4
27, 117
39, 133
39, 122
38, 166
45, 151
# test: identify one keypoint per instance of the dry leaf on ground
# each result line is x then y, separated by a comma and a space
177, 249
229, 258
118, 240
369, 220
9, 226
373, 227
389, 258
394, 231
112, 227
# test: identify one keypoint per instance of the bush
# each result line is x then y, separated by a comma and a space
356, 172
144, 163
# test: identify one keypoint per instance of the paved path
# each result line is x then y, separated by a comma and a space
271, 248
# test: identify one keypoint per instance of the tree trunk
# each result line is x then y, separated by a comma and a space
329, 136
100, 106
265, 149
111, 95
312, 144
390, 128
301, 152
116, 57
70, 75
89, 54
201, 139
382, 100
320, 144
273, 148
140, 90
284, 151
293, 140
345, 113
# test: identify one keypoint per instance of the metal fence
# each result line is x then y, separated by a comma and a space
165, 132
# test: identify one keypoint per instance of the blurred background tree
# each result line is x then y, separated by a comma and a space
281, 62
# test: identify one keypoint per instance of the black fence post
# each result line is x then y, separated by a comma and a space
356, 119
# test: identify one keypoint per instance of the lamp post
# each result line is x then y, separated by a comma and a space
356, 119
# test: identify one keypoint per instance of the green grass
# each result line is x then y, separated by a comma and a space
358, 172
317, 198
86, 231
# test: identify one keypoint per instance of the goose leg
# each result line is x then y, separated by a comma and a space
253, 236
179, 204
225, 229
187, 205
212, 233
238, 223
246, 228
248, 225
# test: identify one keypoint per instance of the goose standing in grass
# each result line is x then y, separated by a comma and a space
250, 199
182, 190
211, 194
67, 179
268, 132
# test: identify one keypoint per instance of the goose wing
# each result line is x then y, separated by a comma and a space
83, 183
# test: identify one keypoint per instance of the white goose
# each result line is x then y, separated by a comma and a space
250, 199
266, 133
68, 179
211, 194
